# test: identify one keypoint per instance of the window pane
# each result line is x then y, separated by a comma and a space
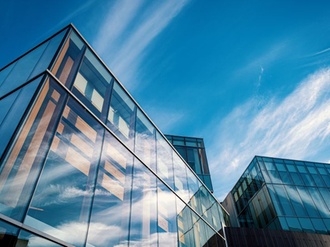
12, 109
30, 65
145, 140
143, 230
180, 178
23, 162
68, 177
111, 205
92, 84
121, 115
164, 160
69, 59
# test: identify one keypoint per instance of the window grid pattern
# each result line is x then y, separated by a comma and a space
104, 185
297, 195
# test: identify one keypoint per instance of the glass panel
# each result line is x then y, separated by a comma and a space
121, 115
167, 225
24, 160
30, 65
319, 226
293, 224
92, 83
145, 140
69, 59
322, 208
308, 202
306, 225
185, 230
12, 108
296, 201
143, 224
68, 177
111, 205
180, 178
283, 200
164, 160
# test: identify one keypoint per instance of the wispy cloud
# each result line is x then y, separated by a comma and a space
297, 127
122, 42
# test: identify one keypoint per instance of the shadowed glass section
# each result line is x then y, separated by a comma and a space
30, 65
12, 108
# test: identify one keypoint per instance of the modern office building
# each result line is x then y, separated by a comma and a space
192, 150
83, 165
284, 198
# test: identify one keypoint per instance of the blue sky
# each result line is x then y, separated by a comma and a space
250, 77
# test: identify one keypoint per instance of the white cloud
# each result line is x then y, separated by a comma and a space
297, 127
122, 43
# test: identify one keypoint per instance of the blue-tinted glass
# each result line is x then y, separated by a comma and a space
322, 171
5, 72
302, 169
285, 177
307, 179
296, 201
318, 180
68, 177
280, 167
325, 193
111, 205
291, 168
275, 201
326, 179
311, 169
283, 223
22, 70
319, 226
296, 179
186, 235
307, 201
306, 225
318, 200
327, 224
12, 110
283, 200
48, 54
293, 224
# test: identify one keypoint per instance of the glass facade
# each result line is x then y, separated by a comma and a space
284, 195
82, 164
192, 150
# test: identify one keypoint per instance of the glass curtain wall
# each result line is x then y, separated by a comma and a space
284, 194
85, 156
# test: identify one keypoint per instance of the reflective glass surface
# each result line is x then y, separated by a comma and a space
83, 164
297, 190
30, 65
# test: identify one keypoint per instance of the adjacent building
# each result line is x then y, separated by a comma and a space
83, 165
192, 150
283, 197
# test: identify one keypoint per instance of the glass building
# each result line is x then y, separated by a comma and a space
192, 150
83, 165
282, 194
